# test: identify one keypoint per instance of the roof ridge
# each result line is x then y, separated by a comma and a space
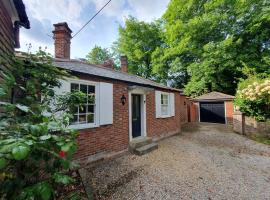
106, 68
214, 95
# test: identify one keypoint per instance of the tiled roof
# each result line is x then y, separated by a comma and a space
214, 96
82, 67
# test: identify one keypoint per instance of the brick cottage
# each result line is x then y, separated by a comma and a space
121, 108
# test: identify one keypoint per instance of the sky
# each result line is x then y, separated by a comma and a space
102, 31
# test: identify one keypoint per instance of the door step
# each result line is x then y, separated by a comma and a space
142, 145
146, 149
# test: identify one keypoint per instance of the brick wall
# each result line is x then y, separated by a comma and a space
183, 109
6, 34
249, 126
193, 111
94, 143
161, 127
229, 111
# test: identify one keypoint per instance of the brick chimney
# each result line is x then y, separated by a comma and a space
124, 64
62, 37
108, 64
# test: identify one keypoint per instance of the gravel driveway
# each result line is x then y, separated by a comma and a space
206, 161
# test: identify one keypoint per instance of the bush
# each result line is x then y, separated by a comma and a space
253, 97
35, 145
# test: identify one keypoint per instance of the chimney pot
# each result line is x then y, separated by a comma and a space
108, 64
62, 37
124, 64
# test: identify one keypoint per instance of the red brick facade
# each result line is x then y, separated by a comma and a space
183, 109
229, 111
114, 138
6, 33
193, 113
62, 36
161, 127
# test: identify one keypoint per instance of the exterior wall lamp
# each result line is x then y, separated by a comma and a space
123, 99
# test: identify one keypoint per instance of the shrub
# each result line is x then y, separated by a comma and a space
35, 143
253, 97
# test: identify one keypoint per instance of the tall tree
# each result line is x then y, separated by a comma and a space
208, 42
98, 55
138, 40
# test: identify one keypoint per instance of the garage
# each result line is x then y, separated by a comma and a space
213, 112
214, 107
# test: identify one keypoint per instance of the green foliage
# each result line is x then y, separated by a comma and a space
253, 96
138, 40
209, 42
35, 143
98, 55
261, 139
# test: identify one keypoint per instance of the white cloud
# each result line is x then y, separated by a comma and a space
57, 10
35, 44
102, 31
116, 8
145, 10
148, 10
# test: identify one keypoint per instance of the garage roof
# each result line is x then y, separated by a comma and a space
214, 96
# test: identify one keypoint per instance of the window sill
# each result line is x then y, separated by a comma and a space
165, 116
83, 126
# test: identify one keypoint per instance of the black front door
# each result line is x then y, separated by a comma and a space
212, 112
136, 115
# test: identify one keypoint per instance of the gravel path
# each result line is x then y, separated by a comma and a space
206, 161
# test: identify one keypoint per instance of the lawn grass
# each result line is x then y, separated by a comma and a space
261, 139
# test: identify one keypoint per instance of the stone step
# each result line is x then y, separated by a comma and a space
139, 142
146, 149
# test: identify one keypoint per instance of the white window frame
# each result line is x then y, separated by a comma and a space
96, 113
168, 105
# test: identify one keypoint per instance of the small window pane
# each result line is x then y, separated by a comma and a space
82, 109
74, 109
91, 89
83, 88
90, 118
164, 99
74, 87
164, 110
91, 99
74, 119
165, 102
91, 109
82, 119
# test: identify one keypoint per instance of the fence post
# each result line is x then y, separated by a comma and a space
239, 122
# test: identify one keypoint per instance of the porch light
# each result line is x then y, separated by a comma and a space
123, 99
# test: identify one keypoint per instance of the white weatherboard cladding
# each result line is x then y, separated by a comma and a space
106, 103
65, 87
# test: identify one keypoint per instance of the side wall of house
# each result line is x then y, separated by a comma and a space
106, 139
95, 143
6, 33
162, 127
